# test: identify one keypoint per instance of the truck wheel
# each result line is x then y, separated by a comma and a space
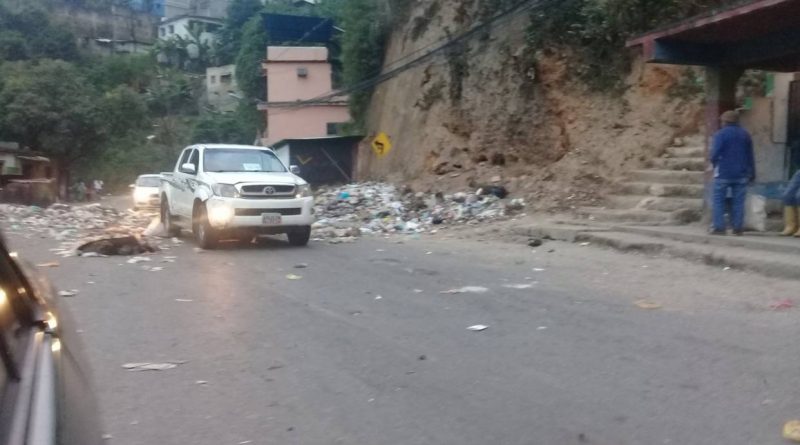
205, 235
167, 221
299, 236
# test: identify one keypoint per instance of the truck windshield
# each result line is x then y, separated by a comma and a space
220, 160
148, 181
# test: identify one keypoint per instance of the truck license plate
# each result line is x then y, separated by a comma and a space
271, 218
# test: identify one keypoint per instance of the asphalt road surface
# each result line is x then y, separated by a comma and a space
364, 348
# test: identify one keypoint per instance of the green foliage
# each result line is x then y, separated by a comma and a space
248, 61
124, 110
48, 105
172, 93
29, 33
362, 51
598, 29
133, 71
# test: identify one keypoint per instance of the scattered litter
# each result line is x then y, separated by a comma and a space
198, 250
380, 250
518, 286
648, 305
176, 241
292, 276
91, 255
726, 268
478, 328
107, 437
146, 366
782, 305
200, 382
428, 253
156, 269
645, 266
301, 266
137, 260
791, 430
538, 269
422, 357
585, 244
183, 300
245, 442
418, 291
541, 328
378, 297
466, 290
535, 242
68, 293
90, 282
50, 264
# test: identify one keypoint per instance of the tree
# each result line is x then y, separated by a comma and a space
248, 62
230, 37
47, 105
12, 46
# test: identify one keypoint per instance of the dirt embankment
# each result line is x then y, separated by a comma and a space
496, 107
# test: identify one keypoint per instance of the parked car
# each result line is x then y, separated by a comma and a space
219, 191
147, 192
45, 392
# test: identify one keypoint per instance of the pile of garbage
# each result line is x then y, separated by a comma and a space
80, 227
346, 212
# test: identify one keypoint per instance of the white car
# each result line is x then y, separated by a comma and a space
147, 191
239, 191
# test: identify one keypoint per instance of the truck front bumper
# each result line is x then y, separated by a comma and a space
262, 215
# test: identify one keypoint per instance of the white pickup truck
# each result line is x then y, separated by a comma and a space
235, 191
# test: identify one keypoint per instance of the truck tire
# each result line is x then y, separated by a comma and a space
299, 236
206, 236
166, 219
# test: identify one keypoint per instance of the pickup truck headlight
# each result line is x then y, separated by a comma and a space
303, 191
225, 190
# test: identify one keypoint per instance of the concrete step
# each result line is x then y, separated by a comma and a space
687, 152
744, 256
664, 204
767, 241
690, 164
667, 176
639, 216
665, 190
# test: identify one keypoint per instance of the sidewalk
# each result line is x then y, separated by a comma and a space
766, 253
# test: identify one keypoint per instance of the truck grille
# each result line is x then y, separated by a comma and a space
267, 191
258, 212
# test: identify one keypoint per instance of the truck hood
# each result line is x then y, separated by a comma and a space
258, 177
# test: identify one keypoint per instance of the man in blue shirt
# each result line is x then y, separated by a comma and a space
734, 167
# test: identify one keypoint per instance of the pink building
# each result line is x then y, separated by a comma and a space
300, 74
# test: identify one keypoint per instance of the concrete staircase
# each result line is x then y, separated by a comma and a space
669, 191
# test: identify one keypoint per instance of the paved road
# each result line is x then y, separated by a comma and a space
365, 349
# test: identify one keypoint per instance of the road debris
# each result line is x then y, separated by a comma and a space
68, 293
647, 305
791, 430
518, 286
782, 305
138, 259
378, 297
478, 328
466, 290
541, 328
360, 209
538, 269
50, 264
200, 382
301, 266
292, 276
535, 242
183, 300
147, 366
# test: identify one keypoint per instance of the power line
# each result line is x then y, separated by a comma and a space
448, 43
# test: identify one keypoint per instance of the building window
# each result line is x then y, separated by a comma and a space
162, 31
333, 128
226, 79
302, 72
172, 29
213, 79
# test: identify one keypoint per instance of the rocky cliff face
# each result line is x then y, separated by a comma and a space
495, 109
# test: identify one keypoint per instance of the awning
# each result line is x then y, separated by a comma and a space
34, 158
763, 34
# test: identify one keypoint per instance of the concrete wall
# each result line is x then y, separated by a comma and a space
304, 122
117, 24
181, 28
220, 84
284, 82
767, 122
207, 8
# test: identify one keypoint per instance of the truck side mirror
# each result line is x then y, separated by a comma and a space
294, 169
189, 168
